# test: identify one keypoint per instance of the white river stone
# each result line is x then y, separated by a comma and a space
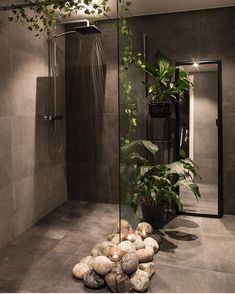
140, 281
102, 265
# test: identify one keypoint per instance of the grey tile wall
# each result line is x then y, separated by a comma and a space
31, 183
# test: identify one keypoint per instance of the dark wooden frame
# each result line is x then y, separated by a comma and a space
220, 140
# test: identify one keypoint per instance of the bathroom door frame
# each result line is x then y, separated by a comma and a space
219, 123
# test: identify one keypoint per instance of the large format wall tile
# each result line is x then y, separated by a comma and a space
27, 190
5, 97
25, 70
5, 152
7, 228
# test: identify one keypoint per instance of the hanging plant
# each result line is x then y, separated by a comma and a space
128, 97
41, 15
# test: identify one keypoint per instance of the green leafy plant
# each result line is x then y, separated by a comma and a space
144, 181
165, 87
41, 15
127, 94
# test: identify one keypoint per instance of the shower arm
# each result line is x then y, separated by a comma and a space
71, 32
63, 34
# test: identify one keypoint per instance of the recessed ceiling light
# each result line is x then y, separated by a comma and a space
195, 64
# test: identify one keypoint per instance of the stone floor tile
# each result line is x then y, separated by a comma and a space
220, 282
196, 254
66, 247
219, 253
46, 232
221, 227
75, 237
27, 240
175, 279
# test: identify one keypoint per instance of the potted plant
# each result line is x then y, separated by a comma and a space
151, 185
165, 88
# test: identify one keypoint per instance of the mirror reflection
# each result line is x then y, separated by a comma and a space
198, 135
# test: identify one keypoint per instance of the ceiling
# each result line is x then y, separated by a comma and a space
144, 7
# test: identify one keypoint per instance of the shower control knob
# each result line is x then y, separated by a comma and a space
45, 118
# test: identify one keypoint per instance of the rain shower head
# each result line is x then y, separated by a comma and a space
87, 30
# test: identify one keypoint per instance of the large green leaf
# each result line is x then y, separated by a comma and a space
133, 147
129, 148
161, 180
176, 198
189, 184
146, 169
176, 168
152, 148
161, 58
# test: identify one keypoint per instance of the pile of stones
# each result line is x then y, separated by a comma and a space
134, 268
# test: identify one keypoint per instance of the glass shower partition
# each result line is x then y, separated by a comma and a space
132, 113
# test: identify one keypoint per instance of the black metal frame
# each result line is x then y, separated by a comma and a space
220, 140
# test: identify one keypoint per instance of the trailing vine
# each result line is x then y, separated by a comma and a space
128, 97
41, 15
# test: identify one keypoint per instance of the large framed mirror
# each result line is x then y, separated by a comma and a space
200, 136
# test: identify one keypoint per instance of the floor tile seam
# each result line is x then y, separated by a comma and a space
43, 236
219, 235
197, 268
37, 248
27, 247
72, 231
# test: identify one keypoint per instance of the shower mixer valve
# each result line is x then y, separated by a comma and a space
52, 117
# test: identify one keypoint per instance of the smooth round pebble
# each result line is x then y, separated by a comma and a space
150, 242
115, 239
101, 249
145, 227
145, 255
118, 282
140, 281
127, 246
124, 225
79, 270
129, 263
148, 267
102, 265
87, 260
139, 244
92, 280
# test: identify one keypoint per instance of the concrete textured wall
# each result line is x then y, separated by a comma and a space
31, 184
201, 35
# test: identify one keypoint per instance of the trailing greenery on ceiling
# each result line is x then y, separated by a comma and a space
41, 15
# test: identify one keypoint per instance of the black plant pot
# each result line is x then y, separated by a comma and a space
159, 109
155, 215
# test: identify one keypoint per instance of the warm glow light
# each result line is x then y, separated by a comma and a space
143, 234
131, 236
195, 64
115, 254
